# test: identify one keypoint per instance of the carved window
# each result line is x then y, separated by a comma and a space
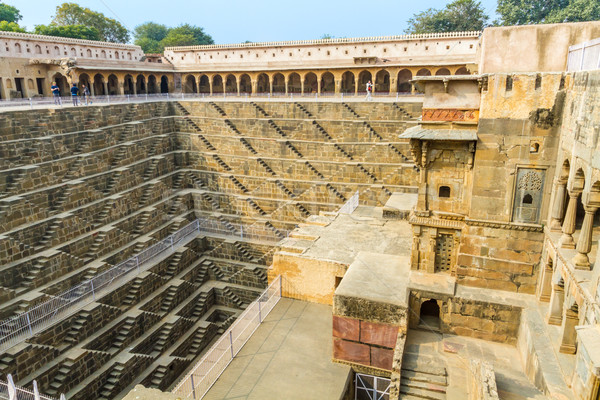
444, 191
528, 195
443, 252
509, 83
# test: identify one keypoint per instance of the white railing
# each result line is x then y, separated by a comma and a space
16, 329
8, 390
206, 372
350, 205
252, 232
584, 56
66, 101
440, 35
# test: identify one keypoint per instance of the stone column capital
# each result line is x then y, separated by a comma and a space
574, 193
590, 209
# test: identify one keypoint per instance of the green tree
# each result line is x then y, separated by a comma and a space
182, 34
460, 15
327, 36
70, 31
150, 30
10, 26
72, 14
178, 39
149, 45
524, 12
153, 37
9, 13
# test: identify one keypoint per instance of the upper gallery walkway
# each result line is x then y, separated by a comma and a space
66, 101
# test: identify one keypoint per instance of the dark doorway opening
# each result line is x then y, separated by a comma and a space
19, 86
429, 316
40, 85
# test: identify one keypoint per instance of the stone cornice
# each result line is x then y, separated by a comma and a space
369, 39
436, 223
505, 225
64, 40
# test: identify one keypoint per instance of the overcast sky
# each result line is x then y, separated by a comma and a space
233, 21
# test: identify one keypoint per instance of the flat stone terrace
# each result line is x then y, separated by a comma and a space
82, 189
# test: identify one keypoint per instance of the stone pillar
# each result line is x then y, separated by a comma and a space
557, 299
122, 88
105, 84
286, 82
431, 251
254, 84
546, 282
210, 85
584, 243
558, 206
92, 89
271, 86
319, 86
338, 86
134, 87
237, 81
568, 343
568, 226
301, 86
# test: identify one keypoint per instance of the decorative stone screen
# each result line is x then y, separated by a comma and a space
528, 195
443, 252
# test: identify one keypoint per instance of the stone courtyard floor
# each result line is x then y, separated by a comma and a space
288, 357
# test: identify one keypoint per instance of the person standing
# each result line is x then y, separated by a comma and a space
369, 91
86, 94
74, 93
56, 93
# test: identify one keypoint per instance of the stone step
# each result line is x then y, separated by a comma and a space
418, 393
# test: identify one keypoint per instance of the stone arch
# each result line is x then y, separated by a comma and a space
231, 84
18, 48
294, 84
73, 52
189, 85
62, 83
38, 49
84, 79
88, 53
327, 83
152, 87
403, 81
578, 182
113, 85
462, 71
99, 85
103, 54
442, 71
217, 84
423, 72
56, 51
594, 196
310, 83
116, 55
429, 314
348, 83
382, 81
164, 84
262, 85
278, 83
245, 84
364, 77
128, 86
140, 84
128, 55
204, 84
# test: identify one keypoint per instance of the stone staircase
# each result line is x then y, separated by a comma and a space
423, 377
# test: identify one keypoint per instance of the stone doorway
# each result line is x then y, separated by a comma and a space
429, 315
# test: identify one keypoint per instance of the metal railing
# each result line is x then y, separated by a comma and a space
371, 387
16, 329
584, 56
253, 232
66, 101
350, 205
206, 372
8, 390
